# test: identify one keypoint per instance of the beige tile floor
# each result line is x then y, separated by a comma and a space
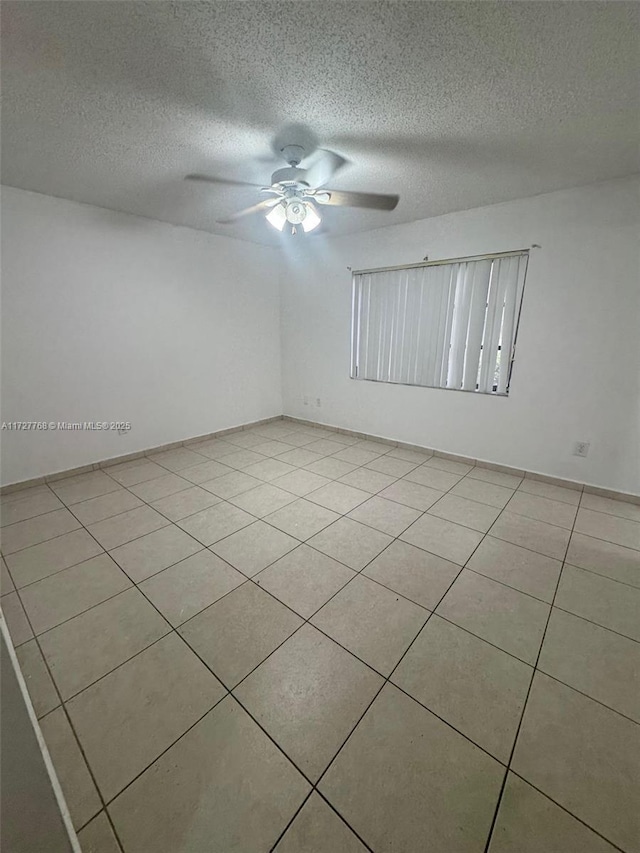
290, 640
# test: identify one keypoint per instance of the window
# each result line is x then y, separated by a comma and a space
442, 324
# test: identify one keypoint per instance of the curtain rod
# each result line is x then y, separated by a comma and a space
512, 254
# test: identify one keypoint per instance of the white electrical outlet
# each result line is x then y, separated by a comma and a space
318, 402
581, 448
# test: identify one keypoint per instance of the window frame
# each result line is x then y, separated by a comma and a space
355, 326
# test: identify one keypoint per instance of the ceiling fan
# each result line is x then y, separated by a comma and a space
295, 193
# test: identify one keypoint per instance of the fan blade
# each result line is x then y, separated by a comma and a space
324, 167
211, 179
374, 201
265, 204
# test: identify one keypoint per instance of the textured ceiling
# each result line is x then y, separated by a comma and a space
450, 104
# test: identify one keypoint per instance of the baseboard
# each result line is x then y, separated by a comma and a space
128, 457
481, 463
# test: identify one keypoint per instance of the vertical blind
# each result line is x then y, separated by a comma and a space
445, 325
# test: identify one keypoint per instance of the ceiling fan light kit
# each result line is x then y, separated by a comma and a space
312, 218
295, 211
277, 217
295, 191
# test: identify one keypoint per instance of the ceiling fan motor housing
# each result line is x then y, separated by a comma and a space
290, 175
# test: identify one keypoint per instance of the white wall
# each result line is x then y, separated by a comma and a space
577, 371
112, 317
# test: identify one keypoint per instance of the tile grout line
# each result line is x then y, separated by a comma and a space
416, 465
65, 711
586, 695
590, 621
374, 528
246, 578
341, 515
430, 614
318, 793
344, 515
129, 488
566, 811
229, 691
136, 585
386, 680
526, 702
306, 497
349, 567
68, 716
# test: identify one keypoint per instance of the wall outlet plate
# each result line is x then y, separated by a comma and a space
581, 448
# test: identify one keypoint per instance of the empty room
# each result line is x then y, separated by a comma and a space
320, 426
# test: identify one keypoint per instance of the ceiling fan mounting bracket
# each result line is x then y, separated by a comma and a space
293, 154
